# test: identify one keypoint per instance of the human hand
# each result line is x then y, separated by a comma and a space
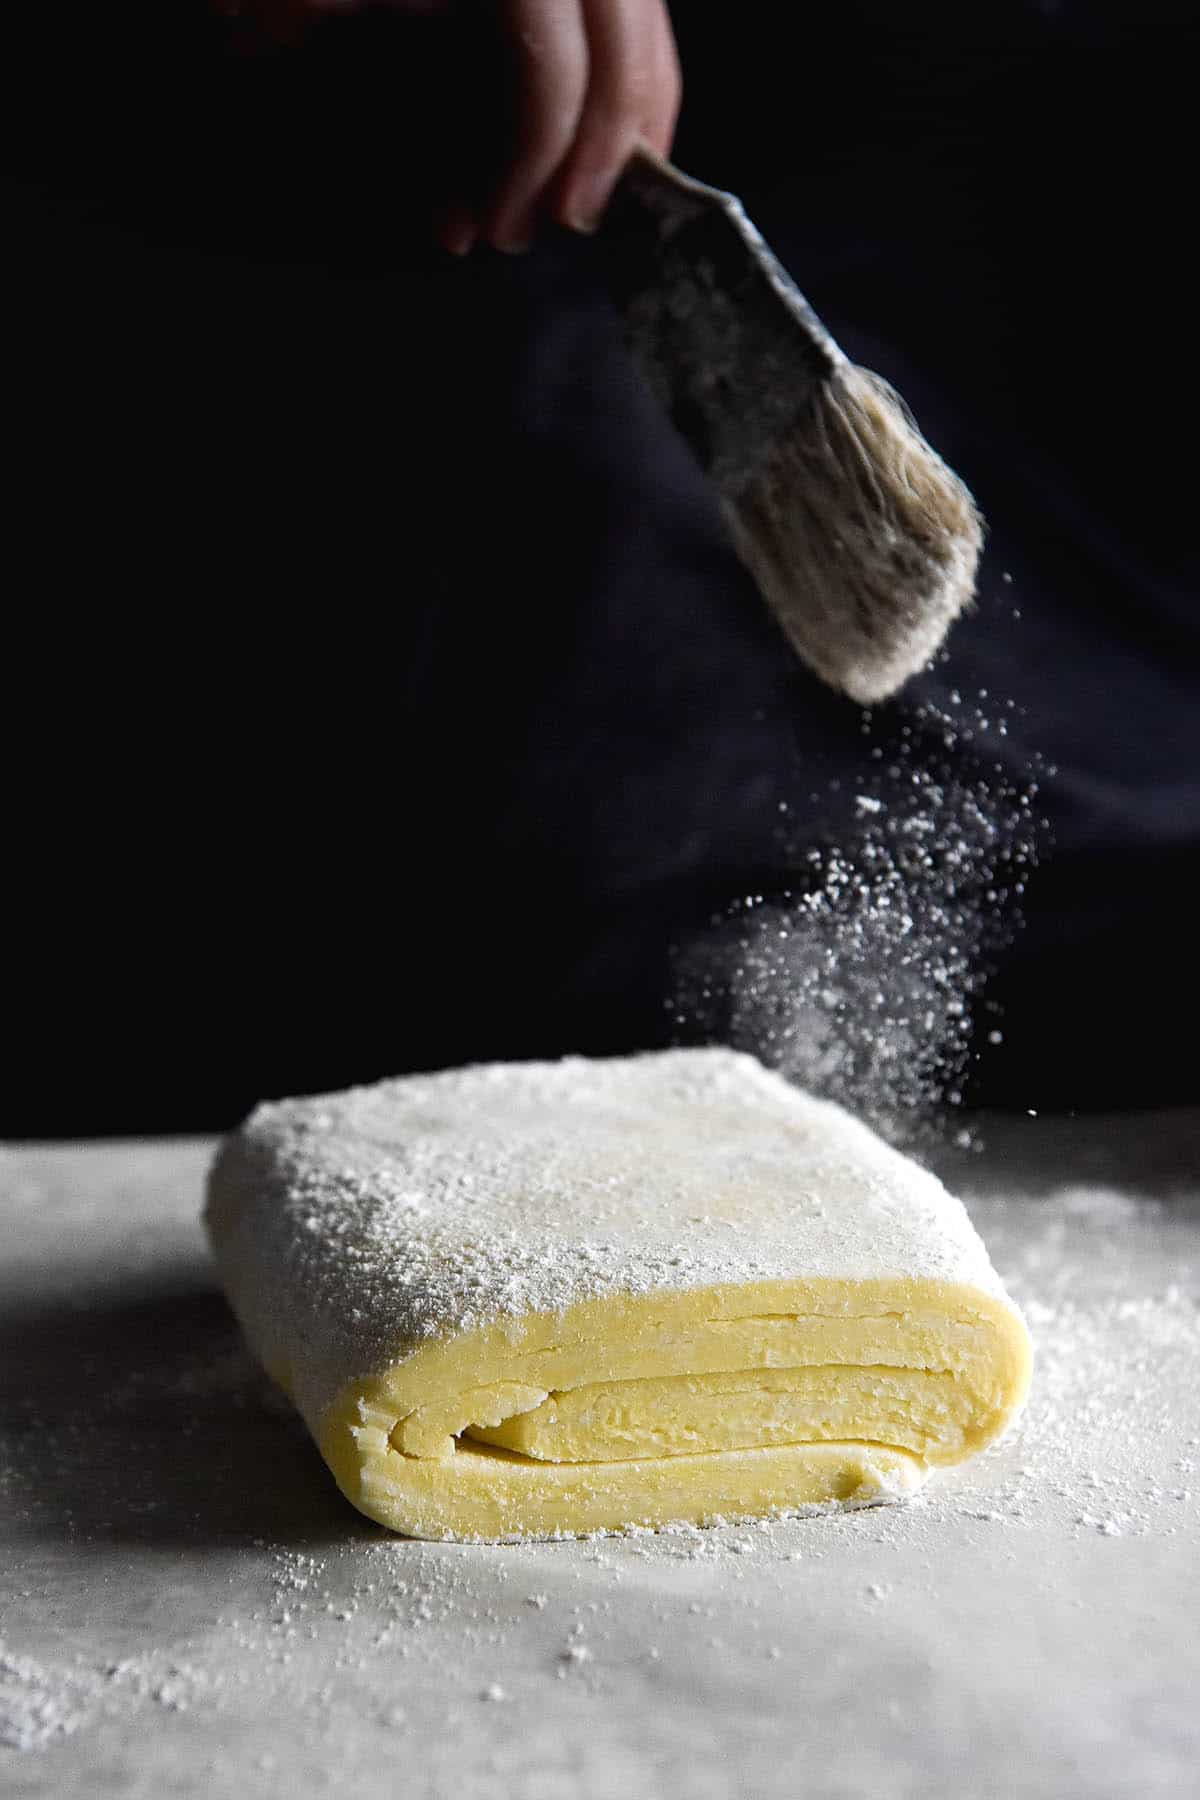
593, 78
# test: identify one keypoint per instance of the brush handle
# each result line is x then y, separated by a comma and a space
726, 340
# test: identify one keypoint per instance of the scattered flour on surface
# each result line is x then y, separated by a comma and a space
38, 1704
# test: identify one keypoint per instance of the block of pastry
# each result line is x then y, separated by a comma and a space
527, 1299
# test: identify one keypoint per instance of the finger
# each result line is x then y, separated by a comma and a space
623, 63
666, 87
457, 230
422, 8
551, 46
264, 25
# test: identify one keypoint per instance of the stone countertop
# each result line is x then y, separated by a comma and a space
187, 1606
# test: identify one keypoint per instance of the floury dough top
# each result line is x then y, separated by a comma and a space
381, 1216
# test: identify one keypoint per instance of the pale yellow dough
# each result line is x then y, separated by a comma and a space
665, 1396
721, 1402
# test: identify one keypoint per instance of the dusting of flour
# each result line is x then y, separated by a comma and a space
350, 1227
862, 977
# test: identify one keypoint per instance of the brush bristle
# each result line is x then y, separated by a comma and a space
860, 537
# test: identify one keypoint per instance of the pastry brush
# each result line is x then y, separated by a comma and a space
860, 538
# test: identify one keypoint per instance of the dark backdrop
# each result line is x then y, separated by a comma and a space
380, 692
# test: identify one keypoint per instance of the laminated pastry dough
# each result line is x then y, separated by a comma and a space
529, 1299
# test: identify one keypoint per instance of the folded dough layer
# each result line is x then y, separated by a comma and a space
530, 1299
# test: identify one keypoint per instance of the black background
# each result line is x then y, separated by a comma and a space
379, 690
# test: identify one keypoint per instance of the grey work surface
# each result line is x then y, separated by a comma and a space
187, 1606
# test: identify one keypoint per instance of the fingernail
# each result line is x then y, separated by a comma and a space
585, 209
512, 243
458, 235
